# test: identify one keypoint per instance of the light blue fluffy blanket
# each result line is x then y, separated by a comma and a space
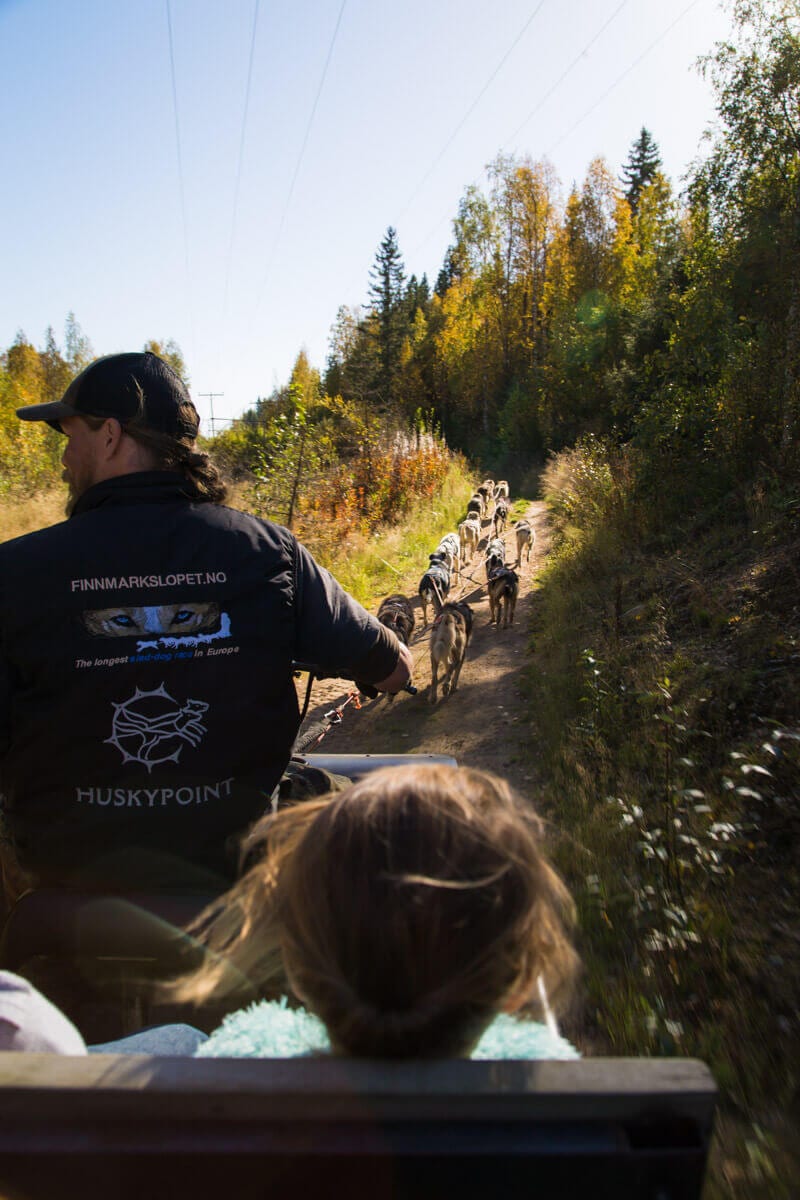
270, 1029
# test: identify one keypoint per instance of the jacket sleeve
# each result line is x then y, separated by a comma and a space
334, 631
5, 691
5, 707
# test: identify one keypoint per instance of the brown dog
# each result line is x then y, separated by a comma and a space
451, 633
525, 539
469, 535
397, 614
503, 589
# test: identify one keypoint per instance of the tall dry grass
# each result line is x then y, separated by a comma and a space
394, 557
26, 514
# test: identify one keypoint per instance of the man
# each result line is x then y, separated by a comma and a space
147, 703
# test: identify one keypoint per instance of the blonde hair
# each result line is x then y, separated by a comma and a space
406, 911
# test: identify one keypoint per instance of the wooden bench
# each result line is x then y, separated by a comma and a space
119, 1126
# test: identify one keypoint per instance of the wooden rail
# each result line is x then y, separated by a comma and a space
118, 1126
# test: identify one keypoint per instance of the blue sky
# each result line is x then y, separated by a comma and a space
240, 227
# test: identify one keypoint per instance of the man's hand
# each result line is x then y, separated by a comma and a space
401, 675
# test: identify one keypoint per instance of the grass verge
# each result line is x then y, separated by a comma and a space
370, 567
19, 516
665, 696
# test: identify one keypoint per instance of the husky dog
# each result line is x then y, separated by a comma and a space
450, 548
469, 534
397, 614
525, 539
500, 517
495, 556
501, 490
433, 587
503, 588
476, 505
451, 633
486, 492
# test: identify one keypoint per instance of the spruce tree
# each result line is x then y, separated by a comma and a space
388, 309
644, 160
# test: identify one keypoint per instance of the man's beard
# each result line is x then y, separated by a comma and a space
76, 489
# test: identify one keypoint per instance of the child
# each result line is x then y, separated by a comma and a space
30, 1023
407, 913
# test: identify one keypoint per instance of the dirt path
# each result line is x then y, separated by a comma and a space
481, 725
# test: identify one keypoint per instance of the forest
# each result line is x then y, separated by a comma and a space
634, 351
658, 332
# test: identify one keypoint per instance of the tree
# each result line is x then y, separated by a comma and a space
644, 161
25, 368
417, 298
524, 195
388, 310
29, 450
305, 378
352, 366
751, 186
451, 270
591, 229
56, 369
79, 349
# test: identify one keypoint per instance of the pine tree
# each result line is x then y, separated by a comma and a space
388, 308
449, 272
644, 160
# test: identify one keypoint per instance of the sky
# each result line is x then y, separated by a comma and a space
223, 174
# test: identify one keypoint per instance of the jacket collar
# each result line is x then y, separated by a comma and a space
140, 487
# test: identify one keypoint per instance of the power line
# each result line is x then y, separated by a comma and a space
290, 193
180, 174
624, 75
534, 110
589, 111
241, 157
565, 73
470, 110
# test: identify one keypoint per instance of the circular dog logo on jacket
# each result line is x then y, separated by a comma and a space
153, 728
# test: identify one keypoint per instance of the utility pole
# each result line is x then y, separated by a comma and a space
210, 396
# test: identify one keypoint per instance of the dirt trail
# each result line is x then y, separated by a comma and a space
480, 725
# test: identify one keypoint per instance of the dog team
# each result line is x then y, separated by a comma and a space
453, 620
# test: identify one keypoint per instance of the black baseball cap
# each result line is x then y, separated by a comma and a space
125, 386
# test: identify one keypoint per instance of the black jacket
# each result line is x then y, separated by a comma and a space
147, 705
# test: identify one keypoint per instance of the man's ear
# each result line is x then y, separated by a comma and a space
111, 438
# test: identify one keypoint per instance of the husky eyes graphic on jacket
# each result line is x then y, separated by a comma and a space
169, 619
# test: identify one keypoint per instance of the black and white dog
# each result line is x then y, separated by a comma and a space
449, 551
476, 505
503, 588
500, 517
434, 586
495, 556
